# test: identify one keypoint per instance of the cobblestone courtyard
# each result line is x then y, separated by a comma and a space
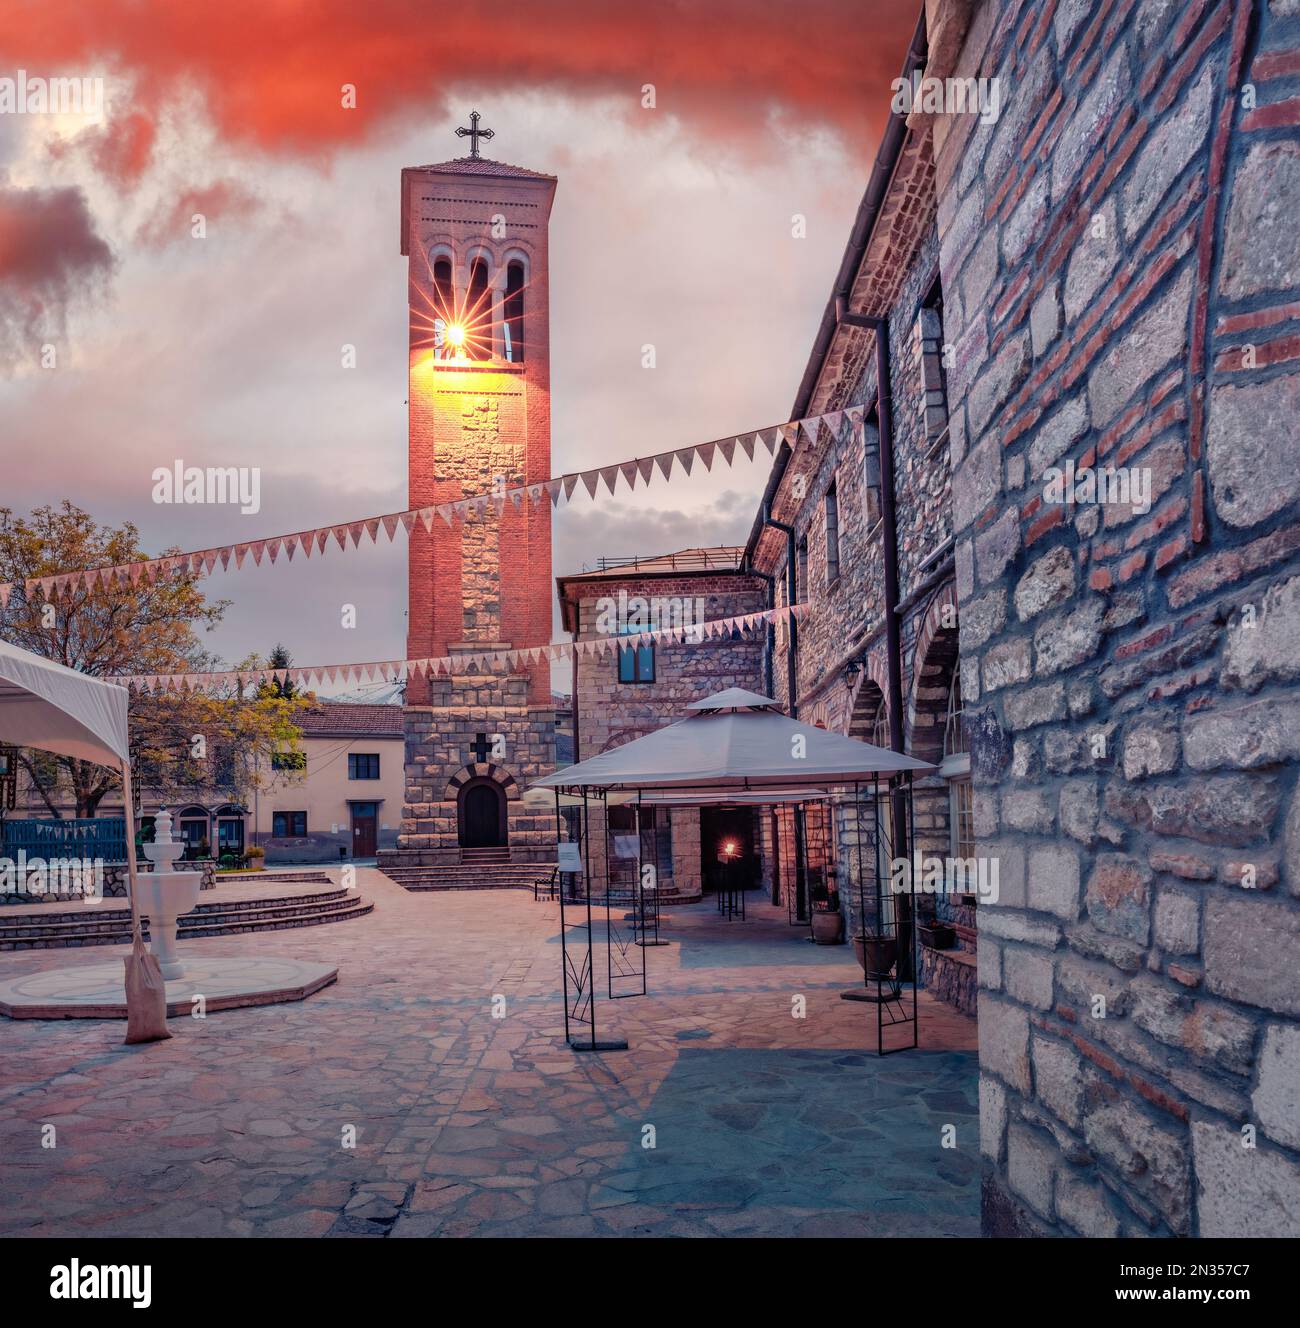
764, 1124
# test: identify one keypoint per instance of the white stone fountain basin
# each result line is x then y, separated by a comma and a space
165, 894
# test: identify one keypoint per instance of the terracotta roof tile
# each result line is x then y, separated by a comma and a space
482, 166
342, 718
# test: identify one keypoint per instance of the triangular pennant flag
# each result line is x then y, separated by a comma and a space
770, 441
728, 449
553, 488
628, 472
665, 463
706, 451
273, 549
686, 455
834, 421
570, 483
408, 521
259, 548
390, 527
589, 478
241, 552
610, 475
645, 468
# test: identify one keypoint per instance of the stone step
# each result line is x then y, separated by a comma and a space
115, 929
116, 912
205, 917
307, 875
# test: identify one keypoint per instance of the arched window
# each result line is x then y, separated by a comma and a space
880, 727
956, 769
444, 303
514, 313
954, 733
478, 312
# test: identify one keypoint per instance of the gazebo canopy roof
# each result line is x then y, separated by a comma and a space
734, 698
43, 704
731, 744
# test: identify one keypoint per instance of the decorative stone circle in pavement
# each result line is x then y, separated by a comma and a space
95, 991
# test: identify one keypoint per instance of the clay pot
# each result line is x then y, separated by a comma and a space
875, 954
827, 927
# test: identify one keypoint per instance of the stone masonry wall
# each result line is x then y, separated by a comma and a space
609, 713
1121, 273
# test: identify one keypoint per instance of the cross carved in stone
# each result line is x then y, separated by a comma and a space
481, 748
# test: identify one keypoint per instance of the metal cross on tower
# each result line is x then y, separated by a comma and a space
473, 133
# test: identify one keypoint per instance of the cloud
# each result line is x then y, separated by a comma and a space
172, 221
123, 150
271, 72
50, 251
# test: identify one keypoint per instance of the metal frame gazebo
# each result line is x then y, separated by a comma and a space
737, 749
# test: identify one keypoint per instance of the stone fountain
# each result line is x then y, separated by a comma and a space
165, 894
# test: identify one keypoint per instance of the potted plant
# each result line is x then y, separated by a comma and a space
256, 856
876, 954
827, 920
937, 935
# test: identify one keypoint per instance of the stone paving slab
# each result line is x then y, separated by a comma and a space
395, 1103
97, 991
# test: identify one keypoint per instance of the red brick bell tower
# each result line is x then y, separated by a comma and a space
475, 235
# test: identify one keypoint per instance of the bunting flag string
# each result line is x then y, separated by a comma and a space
443, 665
313, 542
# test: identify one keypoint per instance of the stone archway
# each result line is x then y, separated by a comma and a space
480, 793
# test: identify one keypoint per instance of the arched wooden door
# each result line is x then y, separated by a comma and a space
481, 815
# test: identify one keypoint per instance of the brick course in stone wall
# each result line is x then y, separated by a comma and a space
1138, 989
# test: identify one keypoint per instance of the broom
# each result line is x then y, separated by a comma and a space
146, 991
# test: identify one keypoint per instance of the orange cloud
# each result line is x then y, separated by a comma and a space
271, 71
173, 221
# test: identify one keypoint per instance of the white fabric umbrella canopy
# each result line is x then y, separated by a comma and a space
57, 709
43, 704
746, 747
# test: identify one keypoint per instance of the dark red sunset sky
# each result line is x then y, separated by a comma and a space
672, 226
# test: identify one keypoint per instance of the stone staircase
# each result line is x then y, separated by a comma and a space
482, 874
50, 927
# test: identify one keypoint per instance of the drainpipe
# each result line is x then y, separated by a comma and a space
791, 585
769, 637
893, 635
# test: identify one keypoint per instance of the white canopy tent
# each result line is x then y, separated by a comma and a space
735, 742
43, 704
736, 749
57, 709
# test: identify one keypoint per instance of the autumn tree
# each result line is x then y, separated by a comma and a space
183, 742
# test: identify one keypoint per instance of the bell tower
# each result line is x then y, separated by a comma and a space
474, 233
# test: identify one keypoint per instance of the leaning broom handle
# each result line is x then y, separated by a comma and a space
137, 937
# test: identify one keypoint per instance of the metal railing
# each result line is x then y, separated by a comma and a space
78, 837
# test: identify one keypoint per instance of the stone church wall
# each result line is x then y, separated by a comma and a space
1111, 246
